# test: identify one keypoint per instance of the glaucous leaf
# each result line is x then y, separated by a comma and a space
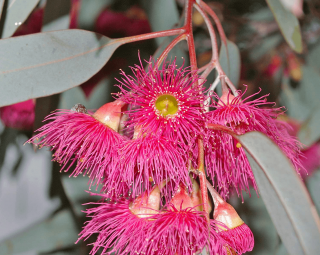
43, 64
286, 197
254, 213
89, 12
230, 61
56, 232
302, 102
156, 9
288, 23
76, 95
310, 130
313, 57
291, 99
265, 46
16, 13
313, 184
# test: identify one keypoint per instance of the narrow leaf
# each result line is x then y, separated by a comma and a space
230, 61
285, 196
53, 233
16, 13
43, 64
288, 23
89, 10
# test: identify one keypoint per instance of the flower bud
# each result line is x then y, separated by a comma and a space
110, 114
146, 204
237, 233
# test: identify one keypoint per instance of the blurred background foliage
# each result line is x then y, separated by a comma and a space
40, 210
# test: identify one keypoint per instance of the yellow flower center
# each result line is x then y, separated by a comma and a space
167, 105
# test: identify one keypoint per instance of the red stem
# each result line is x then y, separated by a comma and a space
215, 51
221, 128
193, 62
216, 20
202, 178
169, 48
189, 33
151, 35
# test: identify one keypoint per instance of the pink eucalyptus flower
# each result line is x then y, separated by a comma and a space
122, 226
151, 159
225, 158
19, 116
89, 141
178, 231
138, 226
117, 227
168, 101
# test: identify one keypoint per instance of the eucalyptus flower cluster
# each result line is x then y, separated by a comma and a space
142, 152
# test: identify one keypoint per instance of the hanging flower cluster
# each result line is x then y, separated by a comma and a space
142, 149
225, 157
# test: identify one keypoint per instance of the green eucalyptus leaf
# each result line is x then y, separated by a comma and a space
254, 213
263, 14
16, 13
284, 194
43, 64
156, 9
313, 57
291, 99
53, 233
288, 23
303, 99
310, 130
97, 98
89, 11
265, 46
230, 61
303, 104
313, 184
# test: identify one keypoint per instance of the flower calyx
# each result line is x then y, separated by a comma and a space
110, 114
146, 204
